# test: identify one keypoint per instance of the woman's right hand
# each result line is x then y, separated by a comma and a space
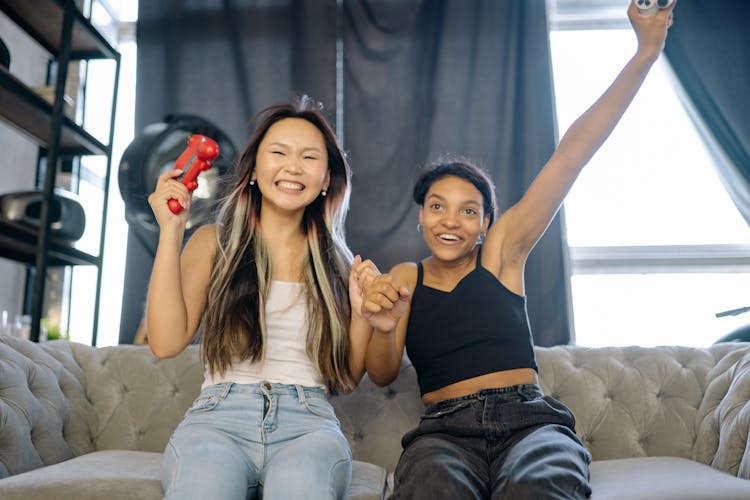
651, 29
384, 301
167, 187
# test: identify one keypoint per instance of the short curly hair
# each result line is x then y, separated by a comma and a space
463, 169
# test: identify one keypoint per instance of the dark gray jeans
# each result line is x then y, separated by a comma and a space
511, 442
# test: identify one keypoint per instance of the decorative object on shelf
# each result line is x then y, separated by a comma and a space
22, 326
4, 55
154, 152
48, 94
67, 217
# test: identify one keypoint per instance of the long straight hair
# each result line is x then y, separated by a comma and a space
234, 325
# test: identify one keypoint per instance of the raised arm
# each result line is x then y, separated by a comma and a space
179, 280
360, 330
521, 226
386, 305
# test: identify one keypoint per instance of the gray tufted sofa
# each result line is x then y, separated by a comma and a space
87, 423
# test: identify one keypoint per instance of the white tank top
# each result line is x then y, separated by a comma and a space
286, 360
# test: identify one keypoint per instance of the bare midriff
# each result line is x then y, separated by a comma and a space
505, 378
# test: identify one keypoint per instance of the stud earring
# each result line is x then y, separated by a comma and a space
252, 182
324, 192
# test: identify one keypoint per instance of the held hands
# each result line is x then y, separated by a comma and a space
167, 187
384, 301
651, 28
361, 271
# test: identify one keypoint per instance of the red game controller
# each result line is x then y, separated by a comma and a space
204, 150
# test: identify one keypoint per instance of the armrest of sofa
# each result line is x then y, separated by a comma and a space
723, 424
45, 417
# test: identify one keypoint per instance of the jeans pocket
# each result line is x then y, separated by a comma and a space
321, 408
439, 410
208, 399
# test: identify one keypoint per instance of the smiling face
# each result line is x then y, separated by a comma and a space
291, 165
452, 217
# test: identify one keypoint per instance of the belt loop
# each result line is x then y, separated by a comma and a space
521, 391
300, 393
225, 389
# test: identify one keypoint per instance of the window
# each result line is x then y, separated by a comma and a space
119, 22
657, 248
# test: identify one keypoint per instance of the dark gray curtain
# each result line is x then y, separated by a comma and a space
422, 78
709, 49
433, 77
223, 60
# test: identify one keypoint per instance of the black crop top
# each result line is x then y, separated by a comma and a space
479, 327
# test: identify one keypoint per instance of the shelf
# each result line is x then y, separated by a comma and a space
19, 242
60, 28
29, 112
43, 20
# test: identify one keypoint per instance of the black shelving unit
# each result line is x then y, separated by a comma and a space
60, 28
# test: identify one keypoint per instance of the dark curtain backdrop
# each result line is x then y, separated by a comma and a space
709, 49
223, 60
422, 78
434, 77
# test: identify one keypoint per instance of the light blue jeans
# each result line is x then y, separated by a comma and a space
246, 441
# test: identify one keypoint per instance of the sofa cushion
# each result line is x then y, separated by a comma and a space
125, 474
117, 474
368, 482
663, 478
45, 417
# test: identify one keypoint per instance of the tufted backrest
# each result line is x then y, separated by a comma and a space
138, 398
61, 399
374, 418
45, 416
628, 402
